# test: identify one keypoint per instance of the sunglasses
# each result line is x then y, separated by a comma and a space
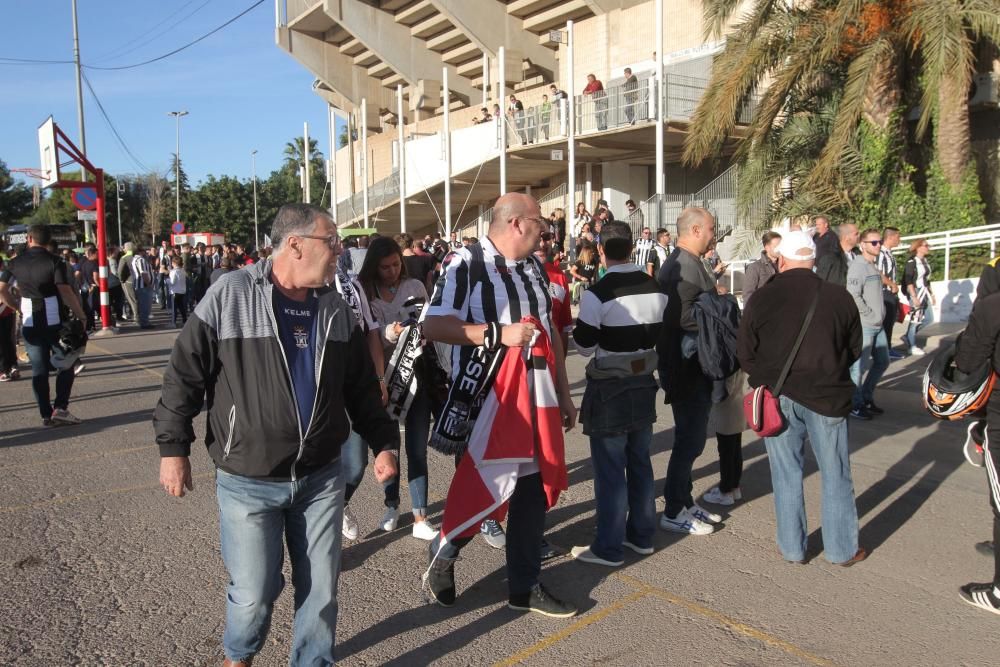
873, 242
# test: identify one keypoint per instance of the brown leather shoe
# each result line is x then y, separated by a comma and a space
858, 557
226, 662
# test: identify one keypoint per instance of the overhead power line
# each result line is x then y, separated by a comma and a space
189, 44
107, 119
32, 61
124, 49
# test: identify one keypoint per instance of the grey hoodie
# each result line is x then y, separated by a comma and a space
864, 283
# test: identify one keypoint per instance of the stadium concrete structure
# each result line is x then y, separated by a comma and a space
414, 163
388, 65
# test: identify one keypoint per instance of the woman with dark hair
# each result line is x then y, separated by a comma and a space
384, 280
917, 286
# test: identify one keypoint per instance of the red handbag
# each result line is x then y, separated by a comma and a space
761, 406
902, 311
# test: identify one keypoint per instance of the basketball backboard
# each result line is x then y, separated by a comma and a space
48, 153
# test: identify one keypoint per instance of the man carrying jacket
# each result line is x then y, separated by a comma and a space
978, 345
282, 363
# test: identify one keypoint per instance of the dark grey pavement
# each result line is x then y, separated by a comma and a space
99, 566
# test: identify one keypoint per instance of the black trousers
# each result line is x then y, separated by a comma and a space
730, 460
992, 456
8, 347
891, 308
525, 528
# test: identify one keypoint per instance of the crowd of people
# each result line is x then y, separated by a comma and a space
443, 338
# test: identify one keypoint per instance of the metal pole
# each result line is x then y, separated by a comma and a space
253, 173
79, 111
118, 192
277, 13
305, 160
177, 166
364, 156
947, 254
571, 120
501, 121
402, 157
446, 98
660, 174
102, 253
486, 80
331, 122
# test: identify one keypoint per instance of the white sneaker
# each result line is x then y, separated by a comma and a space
702, 514
642, 551
61, 416
350, 525
493, 533
684, 522
390, 519
716, 497
587, 556
423, 530
917, 351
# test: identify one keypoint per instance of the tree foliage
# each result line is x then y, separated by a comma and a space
15, 198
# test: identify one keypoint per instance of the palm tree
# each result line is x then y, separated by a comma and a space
294, 151
836, 66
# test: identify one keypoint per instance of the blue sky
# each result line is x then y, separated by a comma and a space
241, 90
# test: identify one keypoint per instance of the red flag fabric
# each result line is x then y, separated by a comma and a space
519, 423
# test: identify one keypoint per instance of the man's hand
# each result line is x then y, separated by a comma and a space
385, 393
568, 412
517, 335
175, 475
386, 466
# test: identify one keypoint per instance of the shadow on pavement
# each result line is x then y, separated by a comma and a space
31, 436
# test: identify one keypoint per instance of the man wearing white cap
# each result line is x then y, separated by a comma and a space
815, 397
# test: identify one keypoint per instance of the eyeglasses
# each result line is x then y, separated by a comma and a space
332, 241
873, 242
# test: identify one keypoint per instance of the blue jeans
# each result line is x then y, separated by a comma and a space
418, 429
910, 337
144, 296
691, 413
38, 343
253, 517
870, 366
623, 485
785, 452
353, 461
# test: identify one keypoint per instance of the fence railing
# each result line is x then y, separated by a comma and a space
953, 239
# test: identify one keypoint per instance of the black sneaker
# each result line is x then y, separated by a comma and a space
984, 549
541, 602
548, 551
874, 409
440, 581
980, 595
975, 438
862, 414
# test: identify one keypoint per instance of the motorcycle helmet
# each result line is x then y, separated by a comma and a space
71, 345
951, 394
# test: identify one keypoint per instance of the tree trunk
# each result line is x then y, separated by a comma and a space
884, 93
952, 137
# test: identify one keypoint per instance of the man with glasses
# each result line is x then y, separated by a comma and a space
864, 283
644, 256
288, 375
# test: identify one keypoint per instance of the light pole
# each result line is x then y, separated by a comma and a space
118, 192
177, 163
253, 171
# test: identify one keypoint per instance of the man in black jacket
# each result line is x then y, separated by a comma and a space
979, 344
683, 277
832, 267
815, 398
281, 361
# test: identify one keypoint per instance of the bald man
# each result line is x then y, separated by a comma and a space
495, 283
832, 267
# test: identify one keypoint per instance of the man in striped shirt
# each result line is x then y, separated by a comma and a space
499, 281
618, 326
890, 289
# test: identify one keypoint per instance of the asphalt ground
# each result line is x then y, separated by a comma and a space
98, 566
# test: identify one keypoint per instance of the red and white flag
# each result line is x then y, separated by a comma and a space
518, 424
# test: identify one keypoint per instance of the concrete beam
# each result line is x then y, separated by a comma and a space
393, 43
557, 16
488, 24
325, 61
414, 13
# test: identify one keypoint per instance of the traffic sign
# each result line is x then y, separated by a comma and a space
87, 215
177, 227
85, 198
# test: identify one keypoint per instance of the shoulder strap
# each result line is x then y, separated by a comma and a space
798, 343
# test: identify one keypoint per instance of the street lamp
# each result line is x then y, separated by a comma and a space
177, 157
253, 171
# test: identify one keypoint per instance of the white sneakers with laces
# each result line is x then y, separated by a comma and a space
423, 530
390, 519
349, 527
715, 496
686, 522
